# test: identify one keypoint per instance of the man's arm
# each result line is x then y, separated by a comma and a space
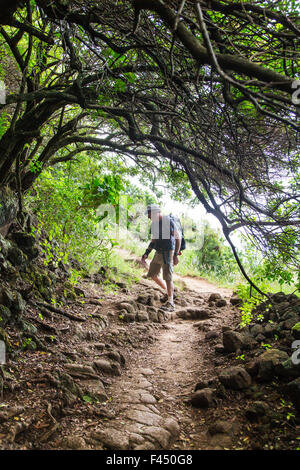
149, 249
177, 246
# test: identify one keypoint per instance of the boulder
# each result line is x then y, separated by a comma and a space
214, 296
107, 367
287, 369
235, 300
6, 297
235, 378
256, 329
267, 362
94, 388
256, 410
8, 209
16, 256
219, 427
127, 306
73, 443
5, 315
129, 317
232, 341
112, 439
18, 304
203, 398
143, 317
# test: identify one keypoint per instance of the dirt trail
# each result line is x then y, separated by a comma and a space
137, 375
150, 400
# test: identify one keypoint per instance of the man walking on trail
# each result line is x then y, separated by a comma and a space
166, 240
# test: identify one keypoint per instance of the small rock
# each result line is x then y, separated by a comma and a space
112, 439
159, 434
172, 426
127, 306
212, 335
235, 300
203, 398
214, 296
111, 368
203, 384
293, 390
142, 317
256, 410
219, 348
144, 417
256, 330
267, 362
219, 427
147, 372
129, 317
232, 341
235, 378
73, 443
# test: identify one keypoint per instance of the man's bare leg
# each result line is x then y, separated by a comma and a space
159, 282
170, 290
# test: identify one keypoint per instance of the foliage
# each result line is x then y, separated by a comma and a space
66, 211
199, 98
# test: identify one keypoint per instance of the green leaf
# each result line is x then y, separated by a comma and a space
87, 399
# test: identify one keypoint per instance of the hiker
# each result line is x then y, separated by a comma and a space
166, 240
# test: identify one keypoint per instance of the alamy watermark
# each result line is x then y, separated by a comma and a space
296, 355
2, 92
131, 220
296, 94
2, 353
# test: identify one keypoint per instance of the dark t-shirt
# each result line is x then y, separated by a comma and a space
163, 231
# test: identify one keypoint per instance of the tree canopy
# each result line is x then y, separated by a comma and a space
202, 91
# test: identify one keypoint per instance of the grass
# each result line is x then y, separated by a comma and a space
126, 271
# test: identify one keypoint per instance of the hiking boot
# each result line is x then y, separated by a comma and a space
168, 307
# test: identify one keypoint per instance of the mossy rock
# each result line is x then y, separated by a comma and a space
46, 293
27, 328
70, 294
24, 240
16, 256
18, 305
29, 345
5, 315
6, 297
5, 337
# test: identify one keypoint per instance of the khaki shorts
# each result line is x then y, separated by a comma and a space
162, 260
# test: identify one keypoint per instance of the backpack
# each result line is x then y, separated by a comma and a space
165, 244
179, 228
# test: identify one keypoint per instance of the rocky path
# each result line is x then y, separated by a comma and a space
150, 399
108, 369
